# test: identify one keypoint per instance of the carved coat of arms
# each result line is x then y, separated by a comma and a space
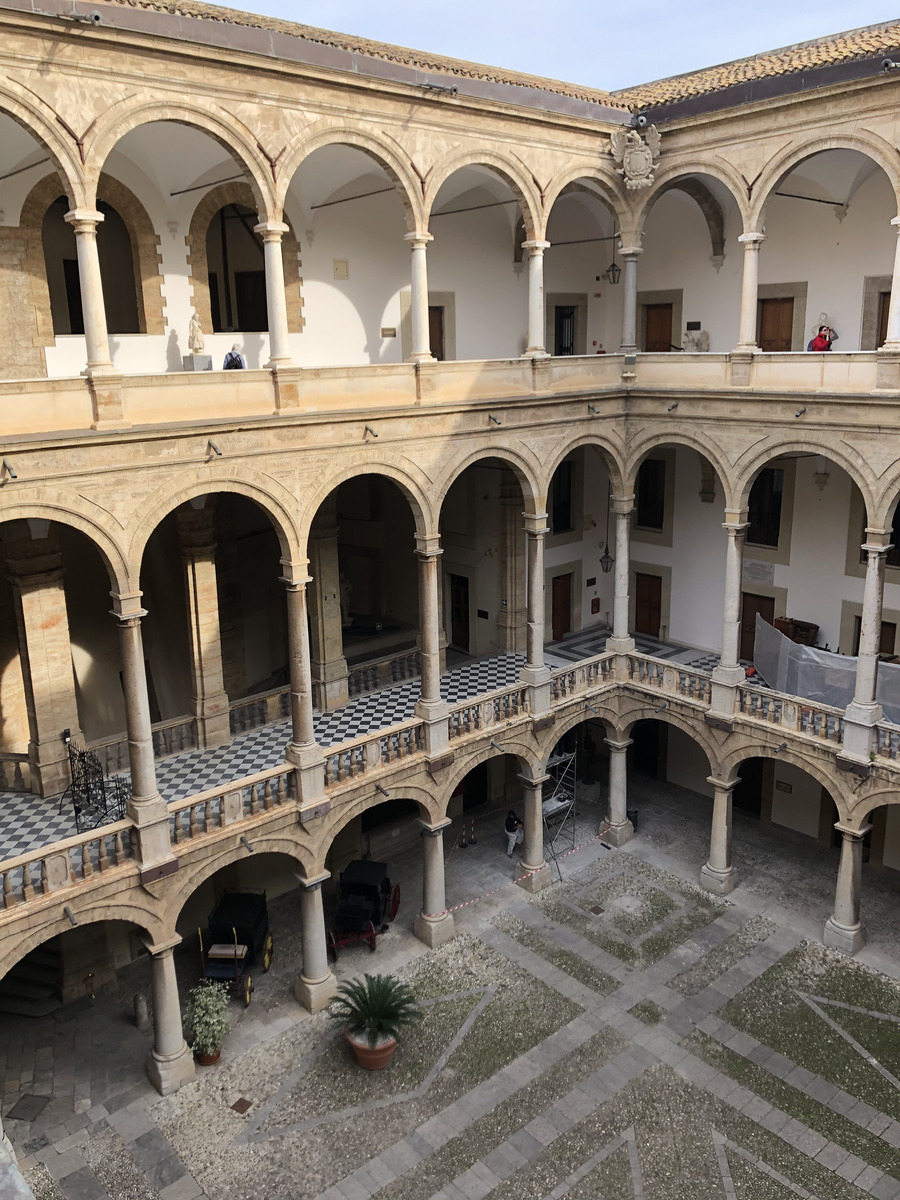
636, 155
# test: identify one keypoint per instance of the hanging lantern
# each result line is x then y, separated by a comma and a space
606, 560
613, 272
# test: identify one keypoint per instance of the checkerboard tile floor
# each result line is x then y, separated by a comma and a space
28, 821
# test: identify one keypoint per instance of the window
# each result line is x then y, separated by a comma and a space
888, 639
561, 499
651, 494
765, 507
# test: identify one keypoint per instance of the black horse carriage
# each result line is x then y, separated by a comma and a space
366, 904
238, 934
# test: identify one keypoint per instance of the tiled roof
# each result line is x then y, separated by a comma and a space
822, 52
415, 59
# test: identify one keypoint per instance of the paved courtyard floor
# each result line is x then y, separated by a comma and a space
620, 1035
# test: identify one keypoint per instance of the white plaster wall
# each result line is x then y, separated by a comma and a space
686, 763
798, 809
590, 523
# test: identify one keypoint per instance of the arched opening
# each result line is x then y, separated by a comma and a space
356, 268
476, 264
583, 306
236, 271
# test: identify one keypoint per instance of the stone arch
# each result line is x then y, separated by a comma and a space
568, 180
681, 174
27, 110
415, 490
527, 470
653, 439
635, 710
36, 932
240, 143
191, 877
526, 753
833, 784
607, 712
349, 810
752, 462
278, 505
238, 192
871, 145
609, 454
46, 504
881, 515
709, 206
859, 813
389, 155
510, 170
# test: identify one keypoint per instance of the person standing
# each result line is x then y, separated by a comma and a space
234, 360
823, 339
515, 833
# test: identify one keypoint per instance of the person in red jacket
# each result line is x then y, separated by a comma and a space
822, 340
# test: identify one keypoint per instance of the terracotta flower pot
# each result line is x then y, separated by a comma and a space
207, 1060
372, 1058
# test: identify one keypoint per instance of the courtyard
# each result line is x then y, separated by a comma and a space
621, 1034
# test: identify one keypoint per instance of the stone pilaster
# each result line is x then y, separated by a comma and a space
329, 667
718, 875
513, 616
198, 554
535, 673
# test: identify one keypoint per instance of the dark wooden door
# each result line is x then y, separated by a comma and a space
562, 606
647, 604
776, 324
564, 329
884, 307
658, 328
751, 604
436, 330
459, 611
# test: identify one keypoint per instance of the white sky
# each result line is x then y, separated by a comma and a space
586, 41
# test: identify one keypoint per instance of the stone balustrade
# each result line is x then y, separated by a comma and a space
219, 807
485, 711
372, 751
67, 863
787, 712
660, 674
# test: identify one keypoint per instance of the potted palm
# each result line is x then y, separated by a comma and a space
206, 1020
372, 1011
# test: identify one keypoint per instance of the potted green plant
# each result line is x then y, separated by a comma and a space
372, 1011
206, 1020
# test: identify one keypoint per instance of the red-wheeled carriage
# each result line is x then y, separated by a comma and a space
367, 903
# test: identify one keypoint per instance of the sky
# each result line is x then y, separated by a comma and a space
586, 41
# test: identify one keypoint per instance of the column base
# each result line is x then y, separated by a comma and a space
533, 879
434, 931
846, 938
619, 834
214, 730
859, 731
619, 645
424, 357
719, 881
329, 694
168, 1072
315, 994
153, 837
535, 352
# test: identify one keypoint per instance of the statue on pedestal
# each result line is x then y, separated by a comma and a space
195, 336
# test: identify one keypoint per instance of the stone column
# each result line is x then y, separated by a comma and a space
146, 807
85, 222
170, 1063
534, 672
532, 872
749, 288
536, 314
36, 573
513, 612
843, 929
630, 256
864, 712
434, 925
430, 707
271, 233
719, 875
315, 986
728, 673
621, 641
329, 667
421, 334
620, 830
198, 553
304, 751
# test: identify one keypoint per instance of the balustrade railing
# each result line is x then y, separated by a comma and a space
372, 751
501, 705
169, 737
66, 863
264, 708
214, 809
15, 772
888, 740
674, 678
789, 713
383, 673
581, 677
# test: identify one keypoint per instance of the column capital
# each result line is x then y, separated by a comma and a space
723, 785
536, 246
127, 606
735, 528
852, 835
314, 883
622, 506
84, 220
428, 545
430, 830
878, 541
418, 238
895, 221
295, 574
751, 240
528, 782
631, 252
536, 524
618, 746
162, 949
271, 231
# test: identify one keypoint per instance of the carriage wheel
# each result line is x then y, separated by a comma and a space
248, 991
332, 946
395, 900
268, 951
371, 936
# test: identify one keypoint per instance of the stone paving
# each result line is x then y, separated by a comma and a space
621, 1034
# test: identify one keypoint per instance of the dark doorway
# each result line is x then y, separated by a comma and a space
73, 295
884, 307
436, 330
562, 606
658, 328
776, 324
459, 612
564, 329
647, 604
250, 294
751, 604
236, 271
649, 745
747, 795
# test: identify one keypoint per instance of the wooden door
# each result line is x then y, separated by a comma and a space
459, 612
562, 606
436, 330
884, 306
658, 328
776, 324
647, 604
751, 604
564, 329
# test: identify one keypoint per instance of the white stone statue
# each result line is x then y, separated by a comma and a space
195, 335
695, 341
637, 156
